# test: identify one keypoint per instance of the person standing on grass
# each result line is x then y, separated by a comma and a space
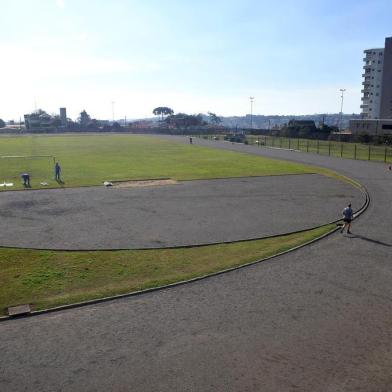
26, 180
57, 171
347, 218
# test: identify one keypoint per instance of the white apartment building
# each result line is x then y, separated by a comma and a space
372, 83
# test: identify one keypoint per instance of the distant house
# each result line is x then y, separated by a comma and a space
42, 120
371, 126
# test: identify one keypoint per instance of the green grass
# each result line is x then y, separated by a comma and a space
50, 278
92, 159
47, 279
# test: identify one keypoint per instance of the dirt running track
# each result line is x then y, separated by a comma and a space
188, 213
317, 319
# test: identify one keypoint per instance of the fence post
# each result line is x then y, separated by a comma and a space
289, 143
385, 155
298, 144
273, 141
307, 145
258, 140
355, 151
369, 153
341, 150
265, 140
318, 146
280, 145
329, 148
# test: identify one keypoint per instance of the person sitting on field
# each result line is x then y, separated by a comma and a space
26, 180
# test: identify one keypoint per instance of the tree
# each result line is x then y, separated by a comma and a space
116, 126
84, 119
162, 111
93, 124
184, 120
214, 119
2, 123
56, 120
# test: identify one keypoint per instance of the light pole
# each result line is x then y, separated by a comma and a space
113, 110
342, 90
251, 111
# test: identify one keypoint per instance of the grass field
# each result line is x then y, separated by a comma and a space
92, 159
47, 279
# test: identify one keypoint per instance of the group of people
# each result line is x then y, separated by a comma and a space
57, 176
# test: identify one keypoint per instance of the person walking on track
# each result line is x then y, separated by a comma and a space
347, 218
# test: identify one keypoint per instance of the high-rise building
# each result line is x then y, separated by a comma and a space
377, 82
386, 97
63, 116
376, 93
372, 82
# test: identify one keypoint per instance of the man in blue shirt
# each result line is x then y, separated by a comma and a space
57, 171
347, 218
26, 180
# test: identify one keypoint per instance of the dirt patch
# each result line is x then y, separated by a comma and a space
143, 183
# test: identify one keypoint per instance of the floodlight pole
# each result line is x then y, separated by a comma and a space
342, 90
251, 111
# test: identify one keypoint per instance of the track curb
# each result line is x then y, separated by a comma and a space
352, 182
199, 278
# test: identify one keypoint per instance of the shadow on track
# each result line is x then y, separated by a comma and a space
371, 240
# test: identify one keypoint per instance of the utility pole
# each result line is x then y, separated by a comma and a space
113, 110
251, 111
342, 90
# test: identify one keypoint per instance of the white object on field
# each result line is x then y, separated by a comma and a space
107, 183
7, 184
44, 183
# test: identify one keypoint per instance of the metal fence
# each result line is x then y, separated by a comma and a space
324, 147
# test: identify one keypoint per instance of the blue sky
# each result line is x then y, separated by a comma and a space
194, 56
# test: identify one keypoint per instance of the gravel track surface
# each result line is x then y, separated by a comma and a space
191, 212
317, 319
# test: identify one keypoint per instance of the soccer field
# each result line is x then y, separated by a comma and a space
92, 159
